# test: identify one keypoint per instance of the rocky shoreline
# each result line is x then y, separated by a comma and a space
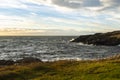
107, 39
29, 60
26, 60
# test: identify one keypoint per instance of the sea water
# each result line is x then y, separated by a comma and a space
52, 48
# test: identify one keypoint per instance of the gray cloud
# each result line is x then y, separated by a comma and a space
91, 3
67, 3
79, 4
111, 4
114, 2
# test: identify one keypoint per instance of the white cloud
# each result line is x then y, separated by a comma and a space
12, 4
15, 22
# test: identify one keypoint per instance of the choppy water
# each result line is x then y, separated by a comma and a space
51, 49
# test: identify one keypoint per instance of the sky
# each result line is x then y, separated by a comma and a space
58, 17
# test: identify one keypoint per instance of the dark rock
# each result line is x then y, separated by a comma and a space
6, 62
22, 61
28, 60
108, 39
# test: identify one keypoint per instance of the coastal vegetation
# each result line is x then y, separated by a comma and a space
105, 69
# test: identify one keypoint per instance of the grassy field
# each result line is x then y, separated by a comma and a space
63, 70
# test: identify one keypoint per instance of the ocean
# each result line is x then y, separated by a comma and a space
52, 48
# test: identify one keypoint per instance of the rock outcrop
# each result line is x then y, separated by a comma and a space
6, 62
26, 60
108, 39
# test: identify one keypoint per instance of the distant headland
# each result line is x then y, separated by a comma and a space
107, 39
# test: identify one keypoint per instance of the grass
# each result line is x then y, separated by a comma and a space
108, 69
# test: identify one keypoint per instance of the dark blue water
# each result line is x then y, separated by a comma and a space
51, 49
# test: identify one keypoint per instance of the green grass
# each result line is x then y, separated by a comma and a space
63, 70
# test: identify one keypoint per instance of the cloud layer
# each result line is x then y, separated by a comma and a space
56, 16
76, 4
